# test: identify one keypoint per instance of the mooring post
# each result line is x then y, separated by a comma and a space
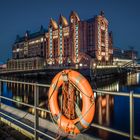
131, 103
36, 103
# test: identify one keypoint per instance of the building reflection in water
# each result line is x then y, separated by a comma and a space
104, 112
104, 107
133, 79
25, 93
105, 103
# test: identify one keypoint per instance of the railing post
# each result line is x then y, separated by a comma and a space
131, 103
36, 103
0, 94
0, 97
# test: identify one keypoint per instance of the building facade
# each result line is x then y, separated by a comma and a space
131, 54
65, 43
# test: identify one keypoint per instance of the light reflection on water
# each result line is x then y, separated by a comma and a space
111, 111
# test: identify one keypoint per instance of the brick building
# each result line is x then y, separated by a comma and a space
66, 42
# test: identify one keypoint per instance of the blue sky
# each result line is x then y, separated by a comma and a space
17, 16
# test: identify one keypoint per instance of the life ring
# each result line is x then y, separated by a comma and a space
82, 122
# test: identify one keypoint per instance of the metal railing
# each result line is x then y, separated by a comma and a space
36, 107
131, 96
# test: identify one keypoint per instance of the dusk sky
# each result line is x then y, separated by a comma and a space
17, 16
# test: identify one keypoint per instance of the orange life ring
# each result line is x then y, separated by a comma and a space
88, 105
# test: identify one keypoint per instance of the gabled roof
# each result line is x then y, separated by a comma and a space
29, 35
63, 20
73, 13
53, 23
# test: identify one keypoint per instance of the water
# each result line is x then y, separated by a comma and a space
111, 111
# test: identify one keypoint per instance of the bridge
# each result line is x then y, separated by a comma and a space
92, 72
41, 72
36, 127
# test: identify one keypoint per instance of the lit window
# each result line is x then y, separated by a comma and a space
42, 39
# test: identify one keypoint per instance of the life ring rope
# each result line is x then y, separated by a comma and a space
79, 89
54, 88
88, 110
86, 96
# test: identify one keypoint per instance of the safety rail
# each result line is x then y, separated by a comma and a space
131, 96
35, 106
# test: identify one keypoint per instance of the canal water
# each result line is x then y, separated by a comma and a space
111, 111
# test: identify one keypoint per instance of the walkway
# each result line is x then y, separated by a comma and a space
8, 133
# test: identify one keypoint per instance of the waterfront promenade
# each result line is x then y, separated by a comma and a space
8, 133
101, 95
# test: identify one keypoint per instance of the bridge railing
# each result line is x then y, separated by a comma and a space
36, 107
